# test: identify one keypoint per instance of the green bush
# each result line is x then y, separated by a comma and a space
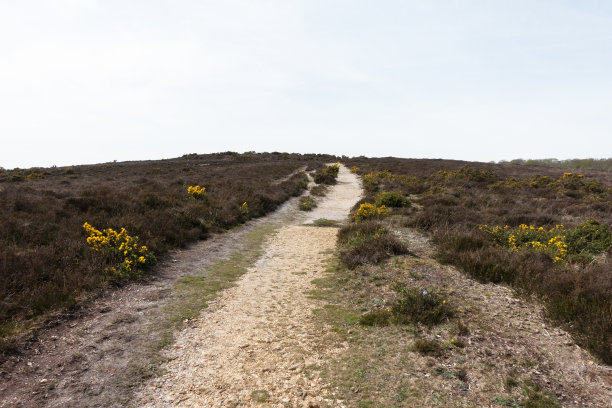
392, 199
327, 175
589, 238
580, 243
412, 306
307, 203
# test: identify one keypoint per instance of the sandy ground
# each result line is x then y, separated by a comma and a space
339, 200
253, 344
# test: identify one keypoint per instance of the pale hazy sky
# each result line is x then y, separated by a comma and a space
86, 81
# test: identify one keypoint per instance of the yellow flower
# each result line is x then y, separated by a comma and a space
196, 191
244, 208
110, 242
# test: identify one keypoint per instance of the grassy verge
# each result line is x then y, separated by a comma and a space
418, 353
323, 222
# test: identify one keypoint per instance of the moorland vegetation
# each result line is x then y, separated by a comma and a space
543, 231
65, 232
578, 164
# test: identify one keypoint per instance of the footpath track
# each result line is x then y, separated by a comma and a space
254, 342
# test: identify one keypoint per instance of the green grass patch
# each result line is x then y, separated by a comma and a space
260, 396
323, 222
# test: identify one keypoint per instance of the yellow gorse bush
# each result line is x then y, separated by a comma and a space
244, 209
361, 237
131, 257
571, 181
196, 191
530, 237
367, 210
372, 180
34, 175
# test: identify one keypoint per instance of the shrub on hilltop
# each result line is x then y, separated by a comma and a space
327, 175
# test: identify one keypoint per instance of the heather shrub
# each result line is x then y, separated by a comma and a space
368, 245
350, 231
319, 190
412, 306
420, 306
377, 318
427, 347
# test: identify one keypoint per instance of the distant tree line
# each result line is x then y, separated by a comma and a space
584, 164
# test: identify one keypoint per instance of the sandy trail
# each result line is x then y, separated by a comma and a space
254, 342
339, 200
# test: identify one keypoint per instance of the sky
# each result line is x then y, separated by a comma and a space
86, 81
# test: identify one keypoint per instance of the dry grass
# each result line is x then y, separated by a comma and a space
410, 362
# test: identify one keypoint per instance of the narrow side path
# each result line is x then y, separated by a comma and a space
257, 339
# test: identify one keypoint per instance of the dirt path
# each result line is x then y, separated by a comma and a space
254, 343
339, 200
